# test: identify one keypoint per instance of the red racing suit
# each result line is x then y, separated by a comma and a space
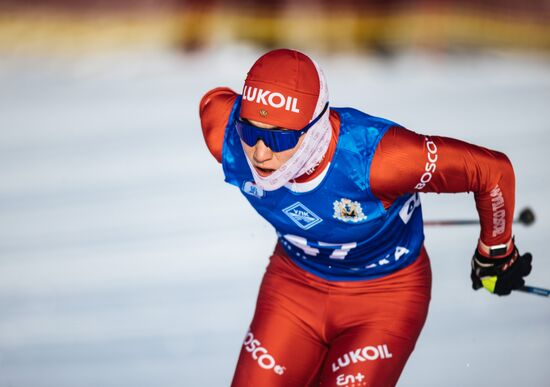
310, 331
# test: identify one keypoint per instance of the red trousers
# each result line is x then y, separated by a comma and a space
308, 331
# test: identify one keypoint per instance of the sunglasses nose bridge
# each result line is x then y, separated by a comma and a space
262, 152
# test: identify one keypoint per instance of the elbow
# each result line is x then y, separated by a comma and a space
506, 168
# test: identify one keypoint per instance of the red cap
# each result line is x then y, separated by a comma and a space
282, 89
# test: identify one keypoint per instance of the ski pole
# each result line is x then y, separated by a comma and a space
526, 217
534, 290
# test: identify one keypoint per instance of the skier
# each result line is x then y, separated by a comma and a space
347, 289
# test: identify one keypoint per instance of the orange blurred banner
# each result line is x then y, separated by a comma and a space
382, 26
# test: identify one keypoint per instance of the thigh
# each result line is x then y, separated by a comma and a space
366, 357
278, 351
373, 352
283, 346
374, 332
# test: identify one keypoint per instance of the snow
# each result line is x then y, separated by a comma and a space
125, 260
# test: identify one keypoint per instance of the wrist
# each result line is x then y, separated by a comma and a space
496, 251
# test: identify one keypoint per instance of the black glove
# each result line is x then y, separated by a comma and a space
500, 275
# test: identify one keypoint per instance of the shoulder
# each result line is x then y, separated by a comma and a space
396, 163
352, 115
216, 99
397, 137
365, 128
214, 110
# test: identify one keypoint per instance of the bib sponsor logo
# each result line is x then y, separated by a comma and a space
302, 216
261, 355
431, 165
348, 211
270, 98
368, 353
499, 214
252, 189
406, 212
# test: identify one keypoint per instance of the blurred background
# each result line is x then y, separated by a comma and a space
124, 258
379, 27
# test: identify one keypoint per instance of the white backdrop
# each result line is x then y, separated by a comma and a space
126, 261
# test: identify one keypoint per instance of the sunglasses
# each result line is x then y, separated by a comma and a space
276, 139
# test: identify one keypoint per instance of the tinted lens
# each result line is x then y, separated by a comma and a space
276, 139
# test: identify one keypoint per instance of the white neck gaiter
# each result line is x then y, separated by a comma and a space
311, 151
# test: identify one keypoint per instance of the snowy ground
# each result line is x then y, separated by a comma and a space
126, 261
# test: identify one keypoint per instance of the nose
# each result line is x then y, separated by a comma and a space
262, 152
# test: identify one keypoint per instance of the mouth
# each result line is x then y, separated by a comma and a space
263, 172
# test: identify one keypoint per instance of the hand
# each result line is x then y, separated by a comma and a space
500, 275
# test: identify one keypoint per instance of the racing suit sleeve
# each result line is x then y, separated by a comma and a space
406, 162
214, 110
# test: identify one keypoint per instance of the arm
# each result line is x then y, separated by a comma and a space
407, 162
214, 110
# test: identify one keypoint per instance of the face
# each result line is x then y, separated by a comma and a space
264, 160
